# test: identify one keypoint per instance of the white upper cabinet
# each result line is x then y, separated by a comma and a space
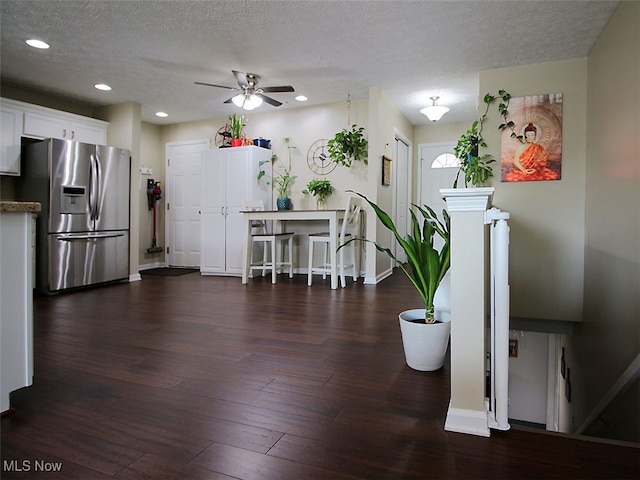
43, 124
24, 119
11, 131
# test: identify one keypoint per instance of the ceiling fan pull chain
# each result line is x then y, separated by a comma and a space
348, 110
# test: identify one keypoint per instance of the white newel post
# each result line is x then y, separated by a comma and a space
468, 410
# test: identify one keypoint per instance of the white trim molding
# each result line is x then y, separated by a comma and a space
471, 422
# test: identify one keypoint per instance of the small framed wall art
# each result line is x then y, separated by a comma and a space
386, 170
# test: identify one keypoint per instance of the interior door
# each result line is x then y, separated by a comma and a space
182, 227
402, 159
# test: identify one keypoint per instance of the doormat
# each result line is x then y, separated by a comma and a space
168, 271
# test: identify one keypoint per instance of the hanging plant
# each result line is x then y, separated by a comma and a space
477, 168
349, 145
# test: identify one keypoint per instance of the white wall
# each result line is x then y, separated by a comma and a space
547, 217
609, 338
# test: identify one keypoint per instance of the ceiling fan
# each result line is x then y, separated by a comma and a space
250, 96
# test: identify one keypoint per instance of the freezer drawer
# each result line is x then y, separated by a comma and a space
81, 259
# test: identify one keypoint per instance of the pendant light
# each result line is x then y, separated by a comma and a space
434, 112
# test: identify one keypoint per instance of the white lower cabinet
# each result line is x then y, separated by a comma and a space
16, 304
229, 178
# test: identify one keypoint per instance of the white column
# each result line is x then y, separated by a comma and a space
467, 408
499, 405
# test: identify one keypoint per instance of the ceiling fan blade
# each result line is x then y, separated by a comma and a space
241, 77
269, 100
280, 89
229, 101
214, 85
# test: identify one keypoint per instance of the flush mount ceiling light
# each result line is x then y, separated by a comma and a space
247, 101
37, 43
301, 98
162, 114
434, 112
102, 86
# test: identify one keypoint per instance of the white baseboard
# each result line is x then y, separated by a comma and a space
136, 277
472, 422
149, 266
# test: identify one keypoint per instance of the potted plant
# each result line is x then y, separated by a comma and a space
477, 168
425, 336
282, 181
236, 122
320, 189
348, 145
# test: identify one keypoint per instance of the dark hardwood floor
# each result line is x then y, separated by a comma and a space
196, 377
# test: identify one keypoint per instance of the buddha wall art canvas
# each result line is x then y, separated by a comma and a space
538, 156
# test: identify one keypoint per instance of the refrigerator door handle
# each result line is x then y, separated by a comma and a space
69, 237
98, 180
92, 187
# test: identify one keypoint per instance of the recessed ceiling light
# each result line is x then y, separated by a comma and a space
37, 43
102, 86
301, 98
162, 114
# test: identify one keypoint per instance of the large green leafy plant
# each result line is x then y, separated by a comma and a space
348, 145
426, 266
477, 169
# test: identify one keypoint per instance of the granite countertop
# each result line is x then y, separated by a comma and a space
26, 207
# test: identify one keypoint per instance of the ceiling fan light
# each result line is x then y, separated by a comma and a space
251, 102
434, 112
238, 100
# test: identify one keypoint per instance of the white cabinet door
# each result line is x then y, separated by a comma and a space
10, 140
66, 127
212, 220
229, 177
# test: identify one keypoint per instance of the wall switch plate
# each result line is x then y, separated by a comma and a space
146, 171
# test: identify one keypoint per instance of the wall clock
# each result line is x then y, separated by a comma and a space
318, 158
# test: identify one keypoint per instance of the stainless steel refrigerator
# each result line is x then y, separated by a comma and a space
82, 232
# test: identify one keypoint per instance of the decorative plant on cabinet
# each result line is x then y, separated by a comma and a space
236, 123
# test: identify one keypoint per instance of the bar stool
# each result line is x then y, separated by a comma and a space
271, 243
349, 229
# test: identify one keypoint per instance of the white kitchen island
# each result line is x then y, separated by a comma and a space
16, 297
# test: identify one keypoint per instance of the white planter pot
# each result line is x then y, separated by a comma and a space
425, 345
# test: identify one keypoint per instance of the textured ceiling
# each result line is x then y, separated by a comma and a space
152, 51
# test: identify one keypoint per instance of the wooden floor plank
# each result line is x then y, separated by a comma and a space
204, 378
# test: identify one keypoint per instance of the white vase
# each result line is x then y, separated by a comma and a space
425, 345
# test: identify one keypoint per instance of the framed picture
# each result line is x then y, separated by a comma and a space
386, 170
538, 156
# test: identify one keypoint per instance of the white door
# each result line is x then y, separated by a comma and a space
183, 202
402, 192
438, 169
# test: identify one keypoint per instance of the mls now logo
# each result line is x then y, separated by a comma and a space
29, 466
